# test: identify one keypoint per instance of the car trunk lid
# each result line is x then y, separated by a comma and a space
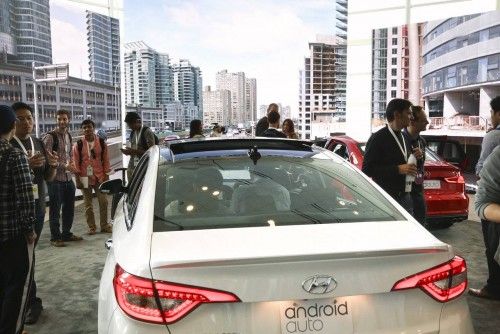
264, 264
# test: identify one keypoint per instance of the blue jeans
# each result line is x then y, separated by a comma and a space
62, 196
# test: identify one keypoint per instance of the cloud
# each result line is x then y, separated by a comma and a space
69, 45
267, 40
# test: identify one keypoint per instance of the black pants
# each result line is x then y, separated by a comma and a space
15, 277
419, 208
491, 234
405, 200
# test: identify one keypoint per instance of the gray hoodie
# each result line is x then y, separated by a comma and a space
488, 190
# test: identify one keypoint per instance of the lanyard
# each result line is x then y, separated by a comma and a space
88, 148
137, 138
24, 148
404, 151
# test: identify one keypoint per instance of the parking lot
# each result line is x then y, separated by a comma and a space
68, 278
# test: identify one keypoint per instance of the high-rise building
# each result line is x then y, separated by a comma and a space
235, 83
341, 21
241, 89
25, 32
322, 86
395, 66
103, 40
251, 99
148, 76
216, 106
187, 85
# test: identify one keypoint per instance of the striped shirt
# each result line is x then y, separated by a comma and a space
17, 203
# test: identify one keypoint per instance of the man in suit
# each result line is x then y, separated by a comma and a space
274, 123
387, 154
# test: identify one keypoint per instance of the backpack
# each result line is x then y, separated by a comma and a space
142, 140
79, 145
55, 140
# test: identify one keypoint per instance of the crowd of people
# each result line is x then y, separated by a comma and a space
394, 159
32, 168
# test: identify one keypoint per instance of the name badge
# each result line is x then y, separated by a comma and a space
408, 187
90, 171
419, 179
35, 191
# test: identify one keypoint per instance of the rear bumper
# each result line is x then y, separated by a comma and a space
447, 207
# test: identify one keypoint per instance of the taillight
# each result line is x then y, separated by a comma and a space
137, 298
443, 283
455, 179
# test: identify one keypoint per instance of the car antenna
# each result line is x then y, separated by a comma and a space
254, 154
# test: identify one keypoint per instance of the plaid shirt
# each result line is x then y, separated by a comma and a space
17, 203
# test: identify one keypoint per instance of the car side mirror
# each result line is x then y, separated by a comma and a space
112, 187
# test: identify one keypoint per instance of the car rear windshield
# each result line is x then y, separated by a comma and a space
234, 192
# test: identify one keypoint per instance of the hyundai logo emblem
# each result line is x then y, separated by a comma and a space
319, 284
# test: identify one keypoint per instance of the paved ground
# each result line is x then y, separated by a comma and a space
68, 279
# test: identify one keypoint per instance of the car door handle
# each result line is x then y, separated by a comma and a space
108, 244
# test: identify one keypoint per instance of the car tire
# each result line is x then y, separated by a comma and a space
443, 225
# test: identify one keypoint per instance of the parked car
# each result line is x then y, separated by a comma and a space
170, 137
444, 184
250, 235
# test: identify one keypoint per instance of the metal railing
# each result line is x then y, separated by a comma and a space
459, 122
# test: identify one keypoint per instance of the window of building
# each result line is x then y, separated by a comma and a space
393, 93
394, 83
394, 61
394, 72
394, 51
394, 30
394, 41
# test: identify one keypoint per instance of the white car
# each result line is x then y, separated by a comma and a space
270, 236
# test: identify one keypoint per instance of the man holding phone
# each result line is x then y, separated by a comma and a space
43, 166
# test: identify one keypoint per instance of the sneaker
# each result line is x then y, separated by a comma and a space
57, 243
107, 229
73, 237
483, 293
34, 312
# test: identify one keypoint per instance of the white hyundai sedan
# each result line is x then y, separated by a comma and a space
270, 236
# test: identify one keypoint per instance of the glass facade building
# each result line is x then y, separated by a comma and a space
461, 64
25, 32
103, 37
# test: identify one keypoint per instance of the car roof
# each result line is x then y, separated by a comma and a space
216, 146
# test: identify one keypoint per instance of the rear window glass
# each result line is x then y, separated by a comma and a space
276, 191
430, 155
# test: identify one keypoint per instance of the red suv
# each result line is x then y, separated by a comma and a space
443, 183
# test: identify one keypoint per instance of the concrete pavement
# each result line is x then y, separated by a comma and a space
68, 278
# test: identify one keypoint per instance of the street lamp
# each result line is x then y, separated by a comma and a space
47, 73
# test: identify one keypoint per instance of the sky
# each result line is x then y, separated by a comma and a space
266, 39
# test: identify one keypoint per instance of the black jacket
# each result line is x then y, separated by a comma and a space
261, 126
381, 161
273, 133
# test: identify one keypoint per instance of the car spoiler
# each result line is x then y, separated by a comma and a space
221, 144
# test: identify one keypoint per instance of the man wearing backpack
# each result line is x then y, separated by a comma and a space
92, 167
141, 139
62, 189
